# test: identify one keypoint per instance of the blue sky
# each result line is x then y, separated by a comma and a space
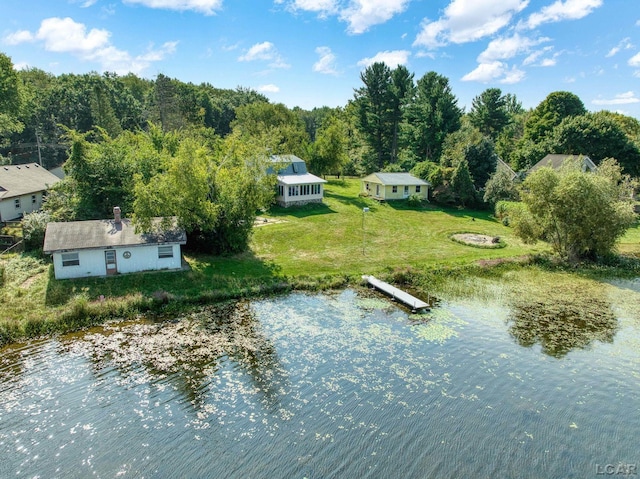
310, 53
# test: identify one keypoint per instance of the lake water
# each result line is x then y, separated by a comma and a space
328, 385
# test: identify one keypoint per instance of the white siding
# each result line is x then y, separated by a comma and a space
298, 197
92, 262
8, 210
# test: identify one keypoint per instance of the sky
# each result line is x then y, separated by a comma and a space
310, 53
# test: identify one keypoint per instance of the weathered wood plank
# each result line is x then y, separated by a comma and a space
396, 293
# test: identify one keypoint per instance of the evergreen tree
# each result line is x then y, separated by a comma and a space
432, 114
489, 112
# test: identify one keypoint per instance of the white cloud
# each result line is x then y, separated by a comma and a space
486, 72
634, 61
64, 35
513, 76
363, 14
360, 15
534, 56
549, 62
621, 99
208, 7
271, 88
15, 38
563, 10
265, 51
327, 62
21, 66
391, 58
505, 48
468, 20
494, 71
625, 44
259, 51
322, 7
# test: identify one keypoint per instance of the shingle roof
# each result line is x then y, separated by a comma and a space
74, 235
395, 179
289, 165
18, 180
556, 161
306, 179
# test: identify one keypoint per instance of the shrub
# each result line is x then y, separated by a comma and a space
34, 226
414, 199
504, 208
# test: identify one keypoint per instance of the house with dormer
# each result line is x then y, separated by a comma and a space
295, 185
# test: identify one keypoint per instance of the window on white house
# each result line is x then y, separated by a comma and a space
406, 189
417, 188
17, 203
165, 251
70, 259
33, 199
394, 189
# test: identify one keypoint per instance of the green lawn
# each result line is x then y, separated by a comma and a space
330, 238
325, 245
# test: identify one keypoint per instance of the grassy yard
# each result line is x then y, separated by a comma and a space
314, 246
331, 238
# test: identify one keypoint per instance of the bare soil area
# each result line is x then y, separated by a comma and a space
476, 239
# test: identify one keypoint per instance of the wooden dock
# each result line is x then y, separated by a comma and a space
402, 296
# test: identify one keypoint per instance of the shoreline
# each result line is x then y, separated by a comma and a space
80, 313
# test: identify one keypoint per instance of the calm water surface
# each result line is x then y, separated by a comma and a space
318, 386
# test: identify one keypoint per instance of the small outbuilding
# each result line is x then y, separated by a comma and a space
22, 189
394, 186
106, 247
296, 186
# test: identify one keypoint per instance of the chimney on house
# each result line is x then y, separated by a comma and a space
116, 215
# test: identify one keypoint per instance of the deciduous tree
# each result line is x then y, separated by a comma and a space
580, 214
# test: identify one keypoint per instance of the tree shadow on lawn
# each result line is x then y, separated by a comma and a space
205, 274
358, 201
484, 215
311, 209
403, 205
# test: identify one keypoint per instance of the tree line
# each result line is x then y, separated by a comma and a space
130, 141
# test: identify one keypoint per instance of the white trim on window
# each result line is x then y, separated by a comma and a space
70, 259
165, 251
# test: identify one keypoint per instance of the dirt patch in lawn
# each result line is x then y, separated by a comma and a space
260, 221
475, 239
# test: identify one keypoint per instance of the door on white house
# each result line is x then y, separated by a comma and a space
378, 190
406, 191
110, 261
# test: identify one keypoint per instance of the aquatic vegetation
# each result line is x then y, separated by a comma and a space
436, 326
337, 383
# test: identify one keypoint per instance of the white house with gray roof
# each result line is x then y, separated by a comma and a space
394, 186
22, 188
106, 247
296, 186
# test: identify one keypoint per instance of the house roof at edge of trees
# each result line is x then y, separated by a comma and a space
395, 179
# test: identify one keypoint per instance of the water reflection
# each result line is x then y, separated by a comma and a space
335, 385
562, 322
188, 351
